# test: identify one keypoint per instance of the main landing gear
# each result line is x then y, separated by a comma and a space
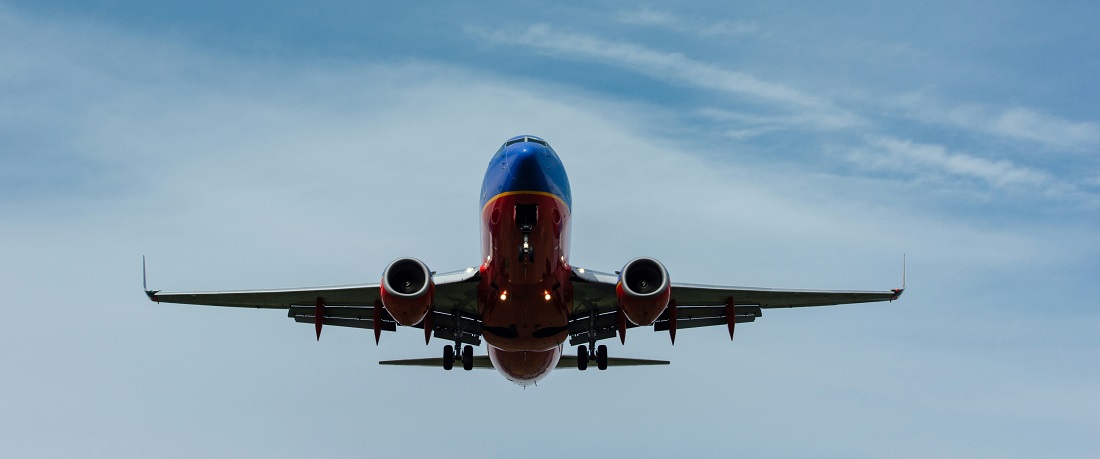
583, 356
451, 352
467, 357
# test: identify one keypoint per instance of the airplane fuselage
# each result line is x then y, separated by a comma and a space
525, 295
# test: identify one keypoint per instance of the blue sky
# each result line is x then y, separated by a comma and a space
245, 145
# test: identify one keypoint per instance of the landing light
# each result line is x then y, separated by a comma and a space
547, 296
580, 270
503, 296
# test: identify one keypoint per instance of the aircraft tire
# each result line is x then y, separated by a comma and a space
468, 358
582, 357
448, 357
601, 357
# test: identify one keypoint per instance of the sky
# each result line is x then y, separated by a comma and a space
244, 145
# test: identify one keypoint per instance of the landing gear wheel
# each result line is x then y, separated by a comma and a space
582, 357
448, 357
468, 358
601, 357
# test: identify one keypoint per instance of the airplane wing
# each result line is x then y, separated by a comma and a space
454, 309
595, 305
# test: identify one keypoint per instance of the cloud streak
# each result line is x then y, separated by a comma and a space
1016, 123
647, 16
914, 158
676, 68
774, 108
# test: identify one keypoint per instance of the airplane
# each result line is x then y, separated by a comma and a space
525, 299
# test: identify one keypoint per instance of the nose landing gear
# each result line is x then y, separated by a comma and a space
526, 216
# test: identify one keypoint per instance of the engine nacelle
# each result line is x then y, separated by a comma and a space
643, 290
407, 290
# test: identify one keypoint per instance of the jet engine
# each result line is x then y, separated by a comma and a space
407, 290
643, 290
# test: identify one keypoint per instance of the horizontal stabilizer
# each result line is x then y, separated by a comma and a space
482, 361
570, 361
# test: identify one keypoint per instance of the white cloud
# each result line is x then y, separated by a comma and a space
784, 107
674, 67
1017, 123
1024, 123
915, 158
752, 125
650, 17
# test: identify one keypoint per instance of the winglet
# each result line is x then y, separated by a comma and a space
898, 291
152, 294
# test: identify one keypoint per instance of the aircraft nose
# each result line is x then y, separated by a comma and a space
526, 164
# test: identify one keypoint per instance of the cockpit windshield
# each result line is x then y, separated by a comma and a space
526, 139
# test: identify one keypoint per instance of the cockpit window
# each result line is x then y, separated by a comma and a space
526, 139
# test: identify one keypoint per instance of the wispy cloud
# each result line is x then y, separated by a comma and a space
784, 107
885, 153
1023, 123
1016, 123
746, 125
673, 67
776, 107
698, 26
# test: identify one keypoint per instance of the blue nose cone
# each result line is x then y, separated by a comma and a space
527, 165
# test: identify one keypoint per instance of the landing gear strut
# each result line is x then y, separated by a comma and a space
592, 352
450, 353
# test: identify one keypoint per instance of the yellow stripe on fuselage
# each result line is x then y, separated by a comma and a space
512, 193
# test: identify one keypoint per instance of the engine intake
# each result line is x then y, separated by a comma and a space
643, 290
407, 290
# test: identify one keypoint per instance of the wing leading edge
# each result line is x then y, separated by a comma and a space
454, 309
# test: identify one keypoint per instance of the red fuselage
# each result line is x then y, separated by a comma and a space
525, 295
